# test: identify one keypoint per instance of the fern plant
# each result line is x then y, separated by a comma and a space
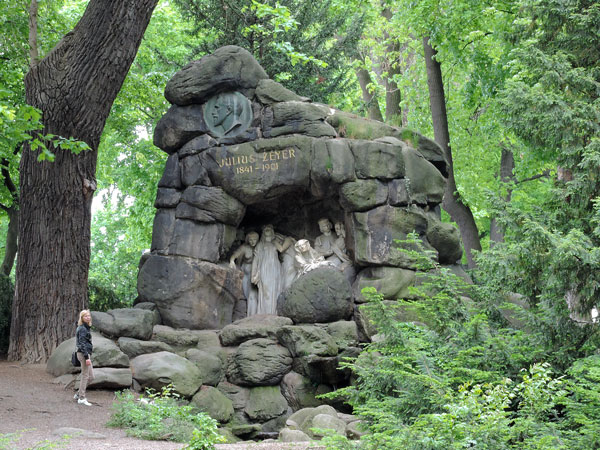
455, 377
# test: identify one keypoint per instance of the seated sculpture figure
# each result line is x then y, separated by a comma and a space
332, 246
307, 258
326, 240
245, 254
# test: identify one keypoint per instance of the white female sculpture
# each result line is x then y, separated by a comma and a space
266, 271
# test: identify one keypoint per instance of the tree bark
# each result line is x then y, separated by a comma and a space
452, 202
74, 86
507, 166
370, 100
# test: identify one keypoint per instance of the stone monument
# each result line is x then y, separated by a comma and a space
272, 214
246, 155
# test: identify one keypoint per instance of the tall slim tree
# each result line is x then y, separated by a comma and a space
369, 97
393, 96
12, 207
74, 86
452, 203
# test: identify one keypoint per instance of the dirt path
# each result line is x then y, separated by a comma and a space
34, 407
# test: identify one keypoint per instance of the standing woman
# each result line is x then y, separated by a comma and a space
266, 271
83, 341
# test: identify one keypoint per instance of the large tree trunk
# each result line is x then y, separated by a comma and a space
74, 86
393, 97
452, 203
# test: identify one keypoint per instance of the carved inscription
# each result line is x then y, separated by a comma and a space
261, 162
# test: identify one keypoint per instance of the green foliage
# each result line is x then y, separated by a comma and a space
333, 440
552, 99
162, 416
8, 438
205, 436
582, 406
548, 267
7, 291
304, 45
119, 236
103, 298
474, 44
279, 20
129, 166
551, 102
447, 381
487, 416
20, 122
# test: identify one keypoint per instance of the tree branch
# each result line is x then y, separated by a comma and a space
7, 179
544, 174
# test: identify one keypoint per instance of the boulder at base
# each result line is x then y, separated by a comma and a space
156, 370
109, 378
127, 322
253, 327
106, 354
322, 295
259, 362
211, 401
190, 293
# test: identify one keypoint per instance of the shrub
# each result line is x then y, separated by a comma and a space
454, 379
161, 416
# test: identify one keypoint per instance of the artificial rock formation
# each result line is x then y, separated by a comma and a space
250, 160
245, 152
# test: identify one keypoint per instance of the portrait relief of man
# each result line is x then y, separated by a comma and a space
227, 114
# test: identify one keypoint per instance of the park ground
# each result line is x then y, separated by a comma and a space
35, 408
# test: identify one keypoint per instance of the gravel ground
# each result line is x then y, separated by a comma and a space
35, 408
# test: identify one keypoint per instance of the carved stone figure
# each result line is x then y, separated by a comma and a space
228, 114
325, 243
266, 271
307, 258
245, 254
288, 269
339, 246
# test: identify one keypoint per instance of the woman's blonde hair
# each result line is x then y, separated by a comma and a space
80, 321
